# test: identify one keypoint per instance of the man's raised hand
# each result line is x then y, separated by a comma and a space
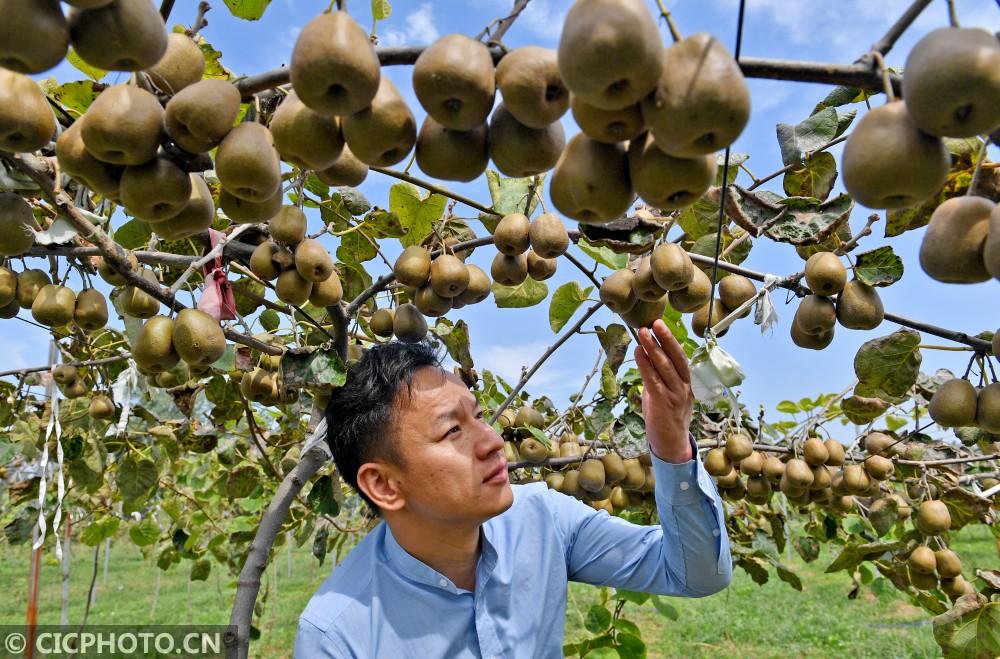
667, 401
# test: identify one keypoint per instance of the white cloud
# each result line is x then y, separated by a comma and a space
508, 360
420, 29
544, 17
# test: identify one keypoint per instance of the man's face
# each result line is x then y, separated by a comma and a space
450, 452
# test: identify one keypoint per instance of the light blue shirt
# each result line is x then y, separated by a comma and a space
381, 602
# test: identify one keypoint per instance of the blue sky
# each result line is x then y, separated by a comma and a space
505, 341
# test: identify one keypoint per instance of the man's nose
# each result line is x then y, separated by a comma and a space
489, 441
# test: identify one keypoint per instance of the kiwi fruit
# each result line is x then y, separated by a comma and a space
26, 121
735, 291
241, 211
156, 190
773, 469
9, 310
110, 275
91, 310
540, 269
728, 480
347, 170
197, 215
922, 560
200, 116
454, 80
717, 463
123, 126
17, 222
889, 163
383, 133
247, 163
137, 302
76, 389
671, 266
123, 35
798, 473
619, 498
29, 283
408, 324
700, 319
65, 374
988, 408
947, 564
8, 286
571, 483
262, 261
529, 417
758, 489
609, 52
198, 337
532, 89
953, 246
305, 138
933, 517
668, 182
509, 270
701, 102
76, 161
512, 234
590, 182
815, 315
635, 475
413, 267
878, 468
814, 451
842, 504
570, 450
153, 350
452, 155
592, 475
952, 82
257, 385
182, 65
288, 225
608, 126
859, 306
449, 276
954, 404
856, 479
381, 322
292, 288
614, 468
955, 587
835, 452
533, 451
334, 68
548, 236
478, 288
54, 305
695, 295
616, 291
34, 36
825, 273
822, 479
645, 312
328, 292
738, 446
520, 151
101, 407
753, 464
644, 284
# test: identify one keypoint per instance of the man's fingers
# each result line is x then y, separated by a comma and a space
650, 378
673, 350
658, 358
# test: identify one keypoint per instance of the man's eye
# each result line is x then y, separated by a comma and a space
479, 414
453, 429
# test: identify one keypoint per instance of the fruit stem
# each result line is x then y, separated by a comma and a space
674, 32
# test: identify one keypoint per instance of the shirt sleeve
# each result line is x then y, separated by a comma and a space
311, 641
686, 555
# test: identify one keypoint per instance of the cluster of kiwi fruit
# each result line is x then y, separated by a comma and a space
52, 305
264, 383
193, 337
605, 482
856, 305
72, 384
667, 274
302, 269
527, 248
927, 569
958, 403
962, 241
895, 157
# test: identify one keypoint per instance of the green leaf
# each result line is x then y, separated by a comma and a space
890, 363
355, 247
630, 646
788, 407
609, 382
133, 234
633, 596
241, 482
99, 530
971, 628
807, 547
666, 609
510, 195
808, 135
416, 214
627, 626
598, 619
75, 97
699, 219
247, 304
327, 368
840, 96
456, 339
814, 178
250, 10
965, 507
795, 220
322, 497
879, 267
381, 10
614, 340
735, 160
146, 532
92, 72
788, 576
200, 569
269, 319
565, 301
863, 409
603, 255
136, 478
527, 294
884, 517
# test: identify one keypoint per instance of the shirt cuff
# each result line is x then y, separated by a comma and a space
682, 483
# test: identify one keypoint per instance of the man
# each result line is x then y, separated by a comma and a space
464, 565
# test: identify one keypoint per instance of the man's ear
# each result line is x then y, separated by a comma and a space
379, 482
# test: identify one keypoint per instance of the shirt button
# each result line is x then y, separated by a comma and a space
684, 485
444, 583
715, 532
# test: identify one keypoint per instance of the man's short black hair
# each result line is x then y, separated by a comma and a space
360, 413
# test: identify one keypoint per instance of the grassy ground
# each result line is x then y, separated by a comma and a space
746, 621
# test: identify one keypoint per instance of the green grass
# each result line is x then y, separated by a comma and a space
745, 621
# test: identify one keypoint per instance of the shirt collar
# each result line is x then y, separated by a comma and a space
416, 570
